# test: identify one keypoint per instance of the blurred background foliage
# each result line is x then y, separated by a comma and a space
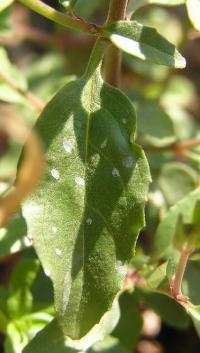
38, 57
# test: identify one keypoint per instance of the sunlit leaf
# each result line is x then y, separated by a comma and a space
193, 8
136, 4
5, 3
90, 200
166, 229
144, 42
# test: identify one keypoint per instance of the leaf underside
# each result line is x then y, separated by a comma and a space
86, 214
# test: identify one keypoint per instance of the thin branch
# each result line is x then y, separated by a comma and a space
36, 102
68, 21
176, 285
112, 68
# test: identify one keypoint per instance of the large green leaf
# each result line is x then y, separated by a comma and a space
193, 8
144, 42
166, 229
89, 208
133, 5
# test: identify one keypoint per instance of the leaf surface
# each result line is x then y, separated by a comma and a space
5, 3
136, 4
193, 8
167, 227
89, 208
144, 42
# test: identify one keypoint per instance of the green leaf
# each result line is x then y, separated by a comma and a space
49, 340
13, 236
193, 8
20, 297
68, 4
5, 3
166, 229
109, 345
176, 180
129, 327
15, 339
171, 312
156, 278
10, 70
154, 126
136, 4
194, 313
96, 179
144, 42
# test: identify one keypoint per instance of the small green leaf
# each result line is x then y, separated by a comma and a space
68, 4
171, 312
97, 180
129, 327
13, 236
49, 340
154, 126
108, 345
15, 339
156, 278
176, 180
194, 313
166, 229
5, 3
193, 8
20, 297
10, 70
136, 4
144, 42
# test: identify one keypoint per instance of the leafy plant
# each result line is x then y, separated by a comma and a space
82, 173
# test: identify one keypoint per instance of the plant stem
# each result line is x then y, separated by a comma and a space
36, 102
60, 18
112, 68
177, 283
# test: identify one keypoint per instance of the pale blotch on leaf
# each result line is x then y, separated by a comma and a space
68, 146
54, 230
104, 144
124, 121
121, 269
89, 221
58, 252
15, 247
128, 162
27, 241
47, 273
80, 181
55, 174
115, 172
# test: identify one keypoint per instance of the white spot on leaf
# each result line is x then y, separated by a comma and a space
27, 241
47, 273
54, 230
68, 146
80, 181
115, 172
104, 144
121, 269
89, 221
58, 252
124, 121
128, 162
15, 247
55, 174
